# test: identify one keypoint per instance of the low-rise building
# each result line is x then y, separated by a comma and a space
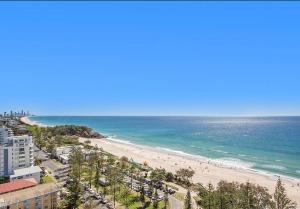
42, 196
17, 185
24, 173
62, 150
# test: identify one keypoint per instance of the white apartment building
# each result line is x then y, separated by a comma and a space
19, 153
16, 152
5, 133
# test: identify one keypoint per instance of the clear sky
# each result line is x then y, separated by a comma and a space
150, 58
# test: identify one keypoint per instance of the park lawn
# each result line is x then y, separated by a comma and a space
132, 199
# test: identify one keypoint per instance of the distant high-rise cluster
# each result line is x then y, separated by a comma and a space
15, 114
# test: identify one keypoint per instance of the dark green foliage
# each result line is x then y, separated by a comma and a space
74, 187
169, 177
166, 198
72, 130
188, 200
281, 201
155, 199
142, 193
157, 175
231, 195
184, 176
207, 197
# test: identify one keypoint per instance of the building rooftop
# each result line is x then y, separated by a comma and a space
24, 171
28, 193
17, 185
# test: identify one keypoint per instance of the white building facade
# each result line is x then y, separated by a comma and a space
16, 152
5, 134
25, 173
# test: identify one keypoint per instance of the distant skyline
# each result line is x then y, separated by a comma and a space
150, 58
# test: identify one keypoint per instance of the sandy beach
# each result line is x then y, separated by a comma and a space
206, 171
29, 122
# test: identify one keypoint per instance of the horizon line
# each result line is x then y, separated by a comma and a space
237, 116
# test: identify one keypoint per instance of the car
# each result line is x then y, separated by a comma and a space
171, 191
104, 201
98, 197
109, 206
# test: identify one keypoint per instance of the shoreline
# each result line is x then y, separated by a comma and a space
206, 170
27, 121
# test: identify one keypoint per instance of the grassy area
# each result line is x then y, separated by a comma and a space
133, 199
48, 179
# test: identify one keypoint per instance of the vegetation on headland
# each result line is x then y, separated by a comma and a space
103, 165
50, 137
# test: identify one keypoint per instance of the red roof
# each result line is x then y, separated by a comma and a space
17, 185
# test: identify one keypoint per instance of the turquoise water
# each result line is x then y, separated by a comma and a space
270, 144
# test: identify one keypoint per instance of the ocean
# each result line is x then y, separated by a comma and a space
268, 144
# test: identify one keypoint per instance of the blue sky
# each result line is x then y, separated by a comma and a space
150, 58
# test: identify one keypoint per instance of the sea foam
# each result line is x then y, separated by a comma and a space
276, 167
234, 162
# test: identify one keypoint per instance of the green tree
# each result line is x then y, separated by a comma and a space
155, 199
115, 177
253, 197
125, 196
207, 197
142, 194
76, 161
99, 159
281, 201
185, 175
169, 177
91, 167
132, 171
156, 176
166, 198
188, 200
226, 195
